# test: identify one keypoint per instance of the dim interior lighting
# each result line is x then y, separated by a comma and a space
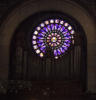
54, 33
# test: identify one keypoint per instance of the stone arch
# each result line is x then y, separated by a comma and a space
27, 8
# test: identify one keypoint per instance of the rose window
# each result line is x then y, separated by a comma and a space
55, 34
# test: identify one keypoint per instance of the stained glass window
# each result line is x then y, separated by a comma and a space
55, 34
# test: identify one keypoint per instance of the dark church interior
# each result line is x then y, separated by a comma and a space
48, 49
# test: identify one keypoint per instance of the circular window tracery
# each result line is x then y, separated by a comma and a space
55, 34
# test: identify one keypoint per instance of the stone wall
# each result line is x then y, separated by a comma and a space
7, 5
84, 15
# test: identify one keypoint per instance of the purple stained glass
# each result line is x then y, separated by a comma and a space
65, 31
40, 41
67, 41
55, 52
40, 37
42, 31
56, 26
62, 29
49, 27
66, 44
55, 34
67, 37
41, 34
42, 44
64, 47
59, 27
46, 30
43, 47
59, 53
62, 50
67, 34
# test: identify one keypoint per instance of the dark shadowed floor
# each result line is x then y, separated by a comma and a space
56, 91
30, 97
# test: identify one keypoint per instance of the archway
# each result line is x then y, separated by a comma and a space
25, 65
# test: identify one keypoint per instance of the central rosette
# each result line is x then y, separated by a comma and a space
54, 34
53, 39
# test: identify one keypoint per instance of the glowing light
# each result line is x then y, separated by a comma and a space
69, 28
54, 33
37, 51
51, 21
34, 42
46, 22
36, 32
41, 55
61, 22
72, 32
42, 24
56, 57
34, 37
38, 28
55, 52
66, 24
54, 39
35, 46
56, 21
